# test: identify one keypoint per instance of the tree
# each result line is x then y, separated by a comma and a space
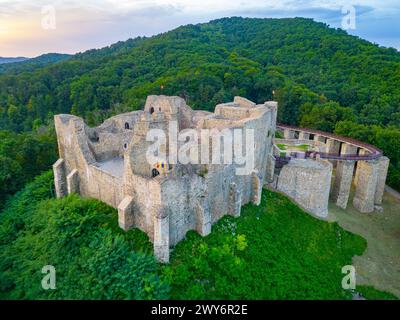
324, 116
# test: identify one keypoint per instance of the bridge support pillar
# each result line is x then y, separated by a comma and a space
333, 146
382, 173
362, 152
348, 149
364, 199
288, 134
304, 135
342, 184
319, 138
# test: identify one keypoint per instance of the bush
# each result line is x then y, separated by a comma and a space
24, 156
79, 237
370, 293
274, 251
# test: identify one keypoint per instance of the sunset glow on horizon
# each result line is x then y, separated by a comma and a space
95, 24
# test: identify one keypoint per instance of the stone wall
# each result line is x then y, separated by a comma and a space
60, 180
184, 197
308, 183
180, 197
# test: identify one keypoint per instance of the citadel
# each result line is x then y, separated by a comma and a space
166, 199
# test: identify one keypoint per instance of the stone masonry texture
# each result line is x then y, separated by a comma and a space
165, 200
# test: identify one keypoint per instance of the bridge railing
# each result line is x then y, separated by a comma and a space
333, 156
374, 152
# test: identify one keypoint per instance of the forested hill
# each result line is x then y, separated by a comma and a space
11, 60
18, 65
208, 63
322, 77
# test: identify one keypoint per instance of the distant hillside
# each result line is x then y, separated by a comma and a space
17, 65
210, 62
10, 60
322, 77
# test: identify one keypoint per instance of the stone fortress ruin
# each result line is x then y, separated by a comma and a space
164, 200
167, 199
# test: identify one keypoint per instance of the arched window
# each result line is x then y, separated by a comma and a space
151, 110
155, 173
126, 125
125, 146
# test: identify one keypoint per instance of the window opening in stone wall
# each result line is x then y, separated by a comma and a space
155, 173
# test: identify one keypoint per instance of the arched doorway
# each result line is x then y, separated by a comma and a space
126, 125
151, 110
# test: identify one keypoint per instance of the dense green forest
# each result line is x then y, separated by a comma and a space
322, 78
241, 259
22, 156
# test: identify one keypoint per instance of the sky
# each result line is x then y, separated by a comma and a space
34, 27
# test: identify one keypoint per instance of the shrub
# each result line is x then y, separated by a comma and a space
274, 251
93, 258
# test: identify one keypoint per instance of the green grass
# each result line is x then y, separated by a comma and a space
371, 293
379, 264
281, 146
300, 147
274, 251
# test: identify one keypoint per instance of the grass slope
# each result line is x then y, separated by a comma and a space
93, 258
274, 251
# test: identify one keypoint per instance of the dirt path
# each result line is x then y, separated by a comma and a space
379, 266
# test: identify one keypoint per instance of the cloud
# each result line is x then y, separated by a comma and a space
302, 8
95, 23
